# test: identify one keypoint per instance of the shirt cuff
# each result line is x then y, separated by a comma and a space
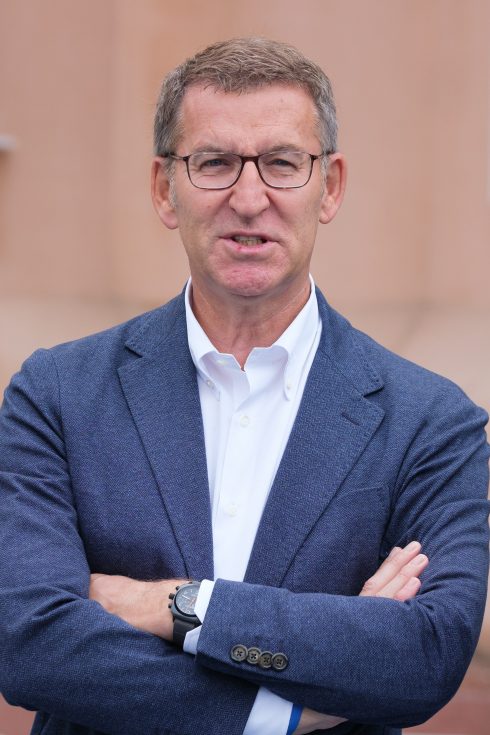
204, 595
270, 715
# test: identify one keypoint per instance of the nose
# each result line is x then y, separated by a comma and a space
249, 195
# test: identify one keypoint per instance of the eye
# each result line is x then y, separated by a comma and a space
283, 162
211, 163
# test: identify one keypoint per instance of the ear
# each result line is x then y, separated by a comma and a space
160, 194
334, 188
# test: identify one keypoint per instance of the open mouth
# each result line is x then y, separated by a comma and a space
248, 240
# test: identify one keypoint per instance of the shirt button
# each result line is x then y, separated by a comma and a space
231, 509
244, 420
209, 383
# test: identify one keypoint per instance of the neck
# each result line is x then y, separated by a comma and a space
239, 325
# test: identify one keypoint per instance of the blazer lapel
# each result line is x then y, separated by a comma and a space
160, 386
334, 424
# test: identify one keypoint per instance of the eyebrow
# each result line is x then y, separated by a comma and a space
211, 148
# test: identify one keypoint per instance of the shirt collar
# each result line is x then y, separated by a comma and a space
297, 341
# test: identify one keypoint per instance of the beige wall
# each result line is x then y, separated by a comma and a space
56, 70
78, 83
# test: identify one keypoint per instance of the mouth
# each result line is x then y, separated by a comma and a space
249, 245
248, 239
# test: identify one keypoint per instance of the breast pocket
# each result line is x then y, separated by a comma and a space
343, 548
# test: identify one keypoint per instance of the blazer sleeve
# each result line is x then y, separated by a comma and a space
375, 660
61, 653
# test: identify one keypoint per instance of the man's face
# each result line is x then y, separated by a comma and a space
280, 224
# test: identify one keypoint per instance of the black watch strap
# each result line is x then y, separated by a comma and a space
181, 628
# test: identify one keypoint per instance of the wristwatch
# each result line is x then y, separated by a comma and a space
182, 608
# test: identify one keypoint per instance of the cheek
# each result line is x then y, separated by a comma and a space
302, 214
305, 228
196, 214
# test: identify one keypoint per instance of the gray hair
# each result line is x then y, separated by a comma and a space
241, 65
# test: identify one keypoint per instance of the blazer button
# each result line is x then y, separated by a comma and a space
239, 653
279, 661
253, 655
265, 660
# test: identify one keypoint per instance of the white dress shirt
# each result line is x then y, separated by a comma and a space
248, 416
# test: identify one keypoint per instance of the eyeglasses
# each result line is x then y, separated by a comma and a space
284, 169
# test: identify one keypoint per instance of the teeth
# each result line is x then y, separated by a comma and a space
248, 240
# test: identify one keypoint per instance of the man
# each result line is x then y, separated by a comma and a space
243, 433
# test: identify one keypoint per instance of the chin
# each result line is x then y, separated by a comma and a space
250, 287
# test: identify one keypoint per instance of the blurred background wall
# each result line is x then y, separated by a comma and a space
407, 258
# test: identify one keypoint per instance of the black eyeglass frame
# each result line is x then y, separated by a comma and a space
244, 160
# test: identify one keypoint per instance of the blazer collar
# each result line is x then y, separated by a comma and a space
341, 346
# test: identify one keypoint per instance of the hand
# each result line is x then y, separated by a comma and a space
397, 579
398, 576
141, 604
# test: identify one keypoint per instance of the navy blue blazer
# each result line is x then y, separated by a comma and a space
103, 468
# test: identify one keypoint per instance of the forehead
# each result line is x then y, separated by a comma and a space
252, 122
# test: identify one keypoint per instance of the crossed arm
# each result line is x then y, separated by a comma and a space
52, 634
145, 605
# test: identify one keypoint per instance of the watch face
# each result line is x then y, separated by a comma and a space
185, 599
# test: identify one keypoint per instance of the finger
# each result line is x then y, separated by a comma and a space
409, 590
413, 568
395, 550
391, 566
